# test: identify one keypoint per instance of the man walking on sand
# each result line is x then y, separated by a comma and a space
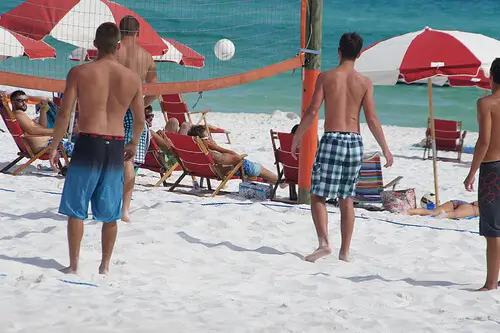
340, 152
141, 62
487, 160
95, 173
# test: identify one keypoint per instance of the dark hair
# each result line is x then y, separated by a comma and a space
129, 26
350, 45
495, 70
197, 130
16, 94
107, 37
148, 109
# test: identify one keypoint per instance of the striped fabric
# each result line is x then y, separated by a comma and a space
370, 183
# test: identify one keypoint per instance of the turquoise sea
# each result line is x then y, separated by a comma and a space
267, 31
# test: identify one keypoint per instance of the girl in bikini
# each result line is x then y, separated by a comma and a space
453, 209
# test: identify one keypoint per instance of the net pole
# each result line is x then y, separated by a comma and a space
311, 21
73, 108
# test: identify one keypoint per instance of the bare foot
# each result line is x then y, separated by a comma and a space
104, 269
488, 288
319, 253
344, 256
68, 270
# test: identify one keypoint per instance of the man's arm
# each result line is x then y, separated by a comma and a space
372, 119
483, 141
312, 110
137, 107
29, 126
151, 77
64, 114
43, 113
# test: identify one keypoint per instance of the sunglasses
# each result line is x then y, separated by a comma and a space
21, 100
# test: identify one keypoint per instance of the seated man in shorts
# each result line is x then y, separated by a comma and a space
226, 157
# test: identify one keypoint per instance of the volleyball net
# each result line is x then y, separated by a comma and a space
43, 39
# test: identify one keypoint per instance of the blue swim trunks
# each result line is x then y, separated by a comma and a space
250, 168
95, 175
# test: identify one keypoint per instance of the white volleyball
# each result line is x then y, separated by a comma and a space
224, 49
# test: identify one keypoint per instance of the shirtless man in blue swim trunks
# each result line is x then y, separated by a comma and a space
141, 62
340, 152
487, 160
95, 173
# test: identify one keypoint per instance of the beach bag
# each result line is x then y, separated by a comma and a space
399, 201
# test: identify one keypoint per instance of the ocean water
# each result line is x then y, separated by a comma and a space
265, 32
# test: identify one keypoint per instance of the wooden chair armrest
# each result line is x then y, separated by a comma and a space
394, 182
202, 111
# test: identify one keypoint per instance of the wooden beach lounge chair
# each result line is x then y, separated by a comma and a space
195, 160
371, 183
154, 162
174, 105
19, 137
449, 137
286, 166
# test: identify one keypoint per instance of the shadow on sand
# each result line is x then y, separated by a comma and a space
35, 261
229, 245
413, 282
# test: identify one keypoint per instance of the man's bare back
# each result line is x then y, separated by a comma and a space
344, 91
491, 104
136, 59
105, 90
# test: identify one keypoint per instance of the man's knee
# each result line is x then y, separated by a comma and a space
317, 199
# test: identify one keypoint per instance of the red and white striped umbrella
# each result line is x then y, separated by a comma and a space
75, 22
428, 53
177, 52
15, 45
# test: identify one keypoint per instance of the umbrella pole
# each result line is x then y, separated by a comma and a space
433, 135
73, 108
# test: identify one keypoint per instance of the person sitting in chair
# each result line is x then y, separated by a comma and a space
453, 209
38, 136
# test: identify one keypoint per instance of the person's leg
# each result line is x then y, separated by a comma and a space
108, 238
446, 207
346, 226
320, 219
75, 234
268, 176
463, 211
128, 188
492, 263
172, 125
185, 127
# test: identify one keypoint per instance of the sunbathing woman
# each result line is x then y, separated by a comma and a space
226, 157
453, 209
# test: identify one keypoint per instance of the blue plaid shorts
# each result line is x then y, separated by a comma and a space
336, 167
142, 147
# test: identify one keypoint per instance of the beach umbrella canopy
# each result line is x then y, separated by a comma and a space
16, 45
428, 53
75, 22
463, 58
177, 52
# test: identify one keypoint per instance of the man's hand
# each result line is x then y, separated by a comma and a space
469, 182
130, 150
54, 159
295, 145
388, 159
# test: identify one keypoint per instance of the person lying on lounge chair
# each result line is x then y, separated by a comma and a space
229, 158
453, 209
42, 136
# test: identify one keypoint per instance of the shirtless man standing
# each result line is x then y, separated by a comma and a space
95, 173
141, 62
487, 160
340, 152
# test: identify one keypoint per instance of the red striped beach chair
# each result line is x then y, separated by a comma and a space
174, 105
449, 137
286, 166
371, 183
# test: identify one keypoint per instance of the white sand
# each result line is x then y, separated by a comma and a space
192, 267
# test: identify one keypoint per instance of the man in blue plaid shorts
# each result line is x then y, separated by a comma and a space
340, 152
140, 61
